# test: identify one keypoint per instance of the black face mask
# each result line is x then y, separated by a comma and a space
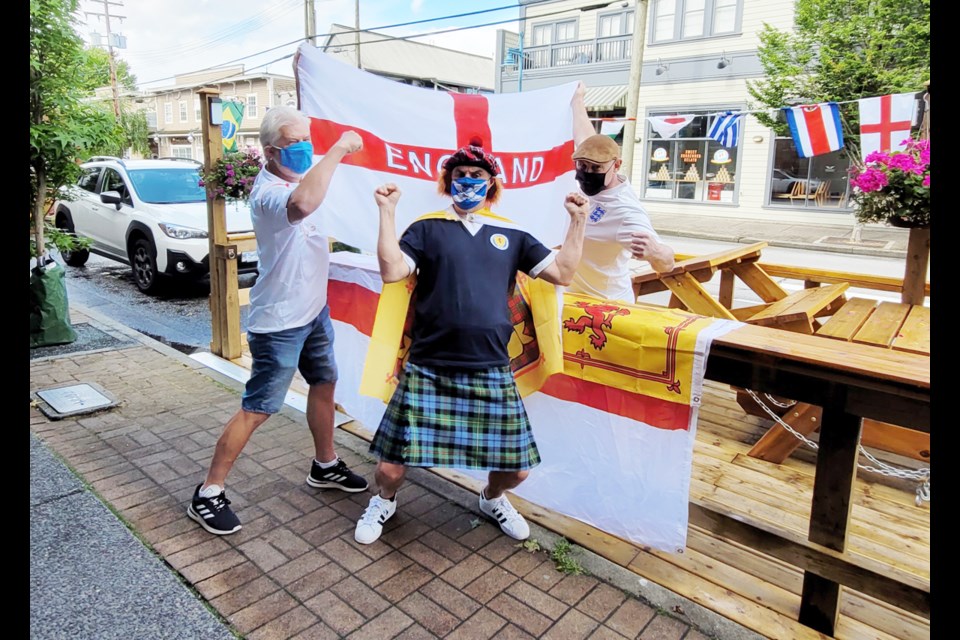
591, 183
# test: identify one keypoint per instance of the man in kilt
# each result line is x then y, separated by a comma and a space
457, 404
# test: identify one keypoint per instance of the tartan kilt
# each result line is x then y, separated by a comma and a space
461, 418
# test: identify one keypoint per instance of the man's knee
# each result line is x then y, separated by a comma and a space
387, 472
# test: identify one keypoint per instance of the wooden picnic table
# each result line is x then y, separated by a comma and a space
851, 381
887, 325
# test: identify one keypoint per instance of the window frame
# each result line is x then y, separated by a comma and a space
709, 22
552, 25
182, 108
167, 112
629, 17
250, 109
704, 144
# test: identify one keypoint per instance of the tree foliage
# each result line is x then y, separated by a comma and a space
95, 71
843, 51
64, 130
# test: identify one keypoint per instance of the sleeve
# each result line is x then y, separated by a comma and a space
271, 206
412, 243
635, 219
534, 256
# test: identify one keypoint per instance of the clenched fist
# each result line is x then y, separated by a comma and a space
387, 194
577, 205
350, 142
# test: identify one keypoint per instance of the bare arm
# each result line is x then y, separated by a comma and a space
643, 246
312, 189
392, 265
582, 127
561, 270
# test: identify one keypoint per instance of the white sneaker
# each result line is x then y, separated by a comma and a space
370, 525
511, 522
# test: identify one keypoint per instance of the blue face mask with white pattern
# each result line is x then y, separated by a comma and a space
468, 193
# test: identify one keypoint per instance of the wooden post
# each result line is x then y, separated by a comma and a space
224, 300
915, 276
918, 244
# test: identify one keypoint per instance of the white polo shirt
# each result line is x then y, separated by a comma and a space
603, 271
291, 289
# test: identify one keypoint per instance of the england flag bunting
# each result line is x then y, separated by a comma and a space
815, 128
726, 129
885, 122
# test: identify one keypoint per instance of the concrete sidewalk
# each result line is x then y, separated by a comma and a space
874, 240
113, 554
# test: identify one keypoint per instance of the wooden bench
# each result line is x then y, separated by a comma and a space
895, 326
798, 311
687, 292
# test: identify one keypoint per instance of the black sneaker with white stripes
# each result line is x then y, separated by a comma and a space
338, 476
213, 514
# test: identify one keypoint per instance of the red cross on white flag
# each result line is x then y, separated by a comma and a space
409, 131
885, 122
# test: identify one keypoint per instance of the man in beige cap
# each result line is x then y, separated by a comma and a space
618, 227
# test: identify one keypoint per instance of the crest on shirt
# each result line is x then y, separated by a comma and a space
499, 241
597, 213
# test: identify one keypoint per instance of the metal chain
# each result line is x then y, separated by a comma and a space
782, 405
920, 475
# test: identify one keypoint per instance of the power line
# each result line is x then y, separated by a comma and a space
382, 28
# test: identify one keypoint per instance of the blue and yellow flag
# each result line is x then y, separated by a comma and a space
232, 117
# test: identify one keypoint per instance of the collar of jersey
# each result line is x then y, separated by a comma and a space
487, 217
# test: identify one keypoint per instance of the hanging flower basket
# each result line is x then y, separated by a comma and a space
232, 175
906, 223
894, 187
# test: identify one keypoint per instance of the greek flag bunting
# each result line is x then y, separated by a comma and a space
726, 128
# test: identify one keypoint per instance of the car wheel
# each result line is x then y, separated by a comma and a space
143, 261
78, 257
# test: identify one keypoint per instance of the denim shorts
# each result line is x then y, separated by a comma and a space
278, 355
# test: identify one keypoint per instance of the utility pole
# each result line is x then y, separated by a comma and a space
633, 90
310, 21
356, 35
113, 63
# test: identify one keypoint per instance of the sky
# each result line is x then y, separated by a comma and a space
172, 37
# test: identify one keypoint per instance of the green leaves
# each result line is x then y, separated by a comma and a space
63, 129
843, 51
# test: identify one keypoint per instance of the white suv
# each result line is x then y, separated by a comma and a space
150, 214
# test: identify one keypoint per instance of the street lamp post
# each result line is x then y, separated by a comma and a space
633, 89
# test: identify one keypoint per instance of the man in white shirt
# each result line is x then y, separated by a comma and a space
289, 327
618, 227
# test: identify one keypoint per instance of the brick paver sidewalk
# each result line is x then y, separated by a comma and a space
294, 571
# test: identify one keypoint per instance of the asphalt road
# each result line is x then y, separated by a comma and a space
179, 318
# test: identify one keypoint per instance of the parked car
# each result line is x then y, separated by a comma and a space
150, 214
782, 182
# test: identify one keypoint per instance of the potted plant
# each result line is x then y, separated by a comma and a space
232, 175
894, 187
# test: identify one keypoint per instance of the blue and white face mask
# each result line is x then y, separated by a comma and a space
468, 193
298, 157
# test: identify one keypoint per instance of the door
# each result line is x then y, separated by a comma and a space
110, 224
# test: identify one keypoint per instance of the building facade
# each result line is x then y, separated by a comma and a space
698, 56
173, 113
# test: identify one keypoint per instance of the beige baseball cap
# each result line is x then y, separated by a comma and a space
597, 148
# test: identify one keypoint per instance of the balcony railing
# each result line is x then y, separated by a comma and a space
610, 49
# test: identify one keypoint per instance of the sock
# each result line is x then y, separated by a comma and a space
327, 465
211, 492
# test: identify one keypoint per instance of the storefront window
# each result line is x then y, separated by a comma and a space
689, 166
820, 182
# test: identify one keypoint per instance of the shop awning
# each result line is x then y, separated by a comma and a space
605, 98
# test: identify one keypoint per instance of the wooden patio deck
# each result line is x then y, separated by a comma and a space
889, 532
